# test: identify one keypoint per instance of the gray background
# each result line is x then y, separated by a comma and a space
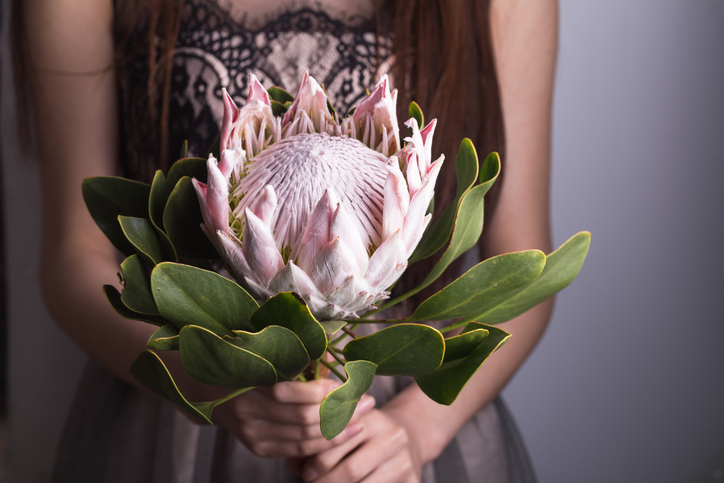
627, 384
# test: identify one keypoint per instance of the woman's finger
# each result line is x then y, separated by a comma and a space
297, 392
301, 448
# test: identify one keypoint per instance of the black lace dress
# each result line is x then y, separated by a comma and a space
118, 434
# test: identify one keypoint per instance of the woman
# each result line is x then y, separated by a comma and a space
69, 46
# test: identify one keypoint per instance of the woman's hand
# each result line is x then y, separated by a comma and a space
283, 420
385, 450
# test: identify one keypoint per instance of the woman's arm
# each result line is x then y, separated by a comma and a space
411, 430
70, 54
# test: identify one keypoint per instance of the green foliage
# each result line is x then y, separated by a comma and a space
114, 298
149, 370
215, 361
137, 294
182, 221
339, 405
289, 310
400, 350
415, 112
279, 95
445, 383
166, 338
189, 295
486, 284
107, 198
278, 345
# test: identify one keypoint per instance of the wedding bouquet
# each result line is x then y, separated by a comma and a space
315, 217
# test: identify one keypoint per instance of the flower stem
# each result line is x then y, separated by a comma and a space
232, 395
333, 370
349, 332
336, 356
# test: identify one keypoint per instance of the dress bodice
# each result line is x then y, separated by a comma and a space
215, 50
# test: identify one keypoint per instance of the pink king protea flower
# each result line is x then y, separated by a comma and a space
307, 203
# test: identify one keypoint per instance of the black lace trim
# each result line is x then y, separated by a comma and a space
214, 51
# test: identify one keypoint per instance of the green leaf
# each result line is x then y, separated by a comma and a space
142, 234
212, 360
109, 197
278, 345
188, 295
280, 95
331, 327
151, 372
416, 113
136, 293
338, 407
114, 298
290, 310
445, 383
182, 220
400, 350
487, 284
278, 108
184, 149
157, 199
466, 169
191, 167
561, 268
164, 339
464, 344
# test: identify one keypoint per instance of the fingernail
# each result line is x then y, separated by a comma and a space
353, 430
310, 474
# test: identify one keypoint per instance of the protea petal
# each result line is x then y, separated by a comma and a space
293, 279
397, 200
265, 205
343, 228
231, 117
259, 249
333, 264
316, 234
386, 259
319, 207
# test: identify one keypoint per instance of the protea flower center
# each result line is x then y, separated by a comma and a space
310, 204
301, 168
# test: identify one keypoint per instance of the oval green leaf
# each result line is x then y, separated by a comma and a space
136, 293
400, 350
108, 197
188, 295
280, 95
464, 344
487, 284
157, 199
182, 221
443, 385
289, 310
166, 338
142, 234
190, 167
114, 298
152, 373
415, 112
338, 407
561, 268
212, 360
278, 345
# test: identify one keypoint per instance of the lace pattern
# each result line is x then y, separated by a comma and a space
214, 51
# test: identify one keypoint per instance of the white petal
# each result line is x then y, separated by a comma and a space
343, 227
229, 248
265, 204
259, 249
332, 266
384, 261
397, 201
316, 233
414, 180
292, 279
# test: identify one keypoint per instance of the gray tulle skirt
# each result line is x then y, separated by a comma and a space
116, 433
